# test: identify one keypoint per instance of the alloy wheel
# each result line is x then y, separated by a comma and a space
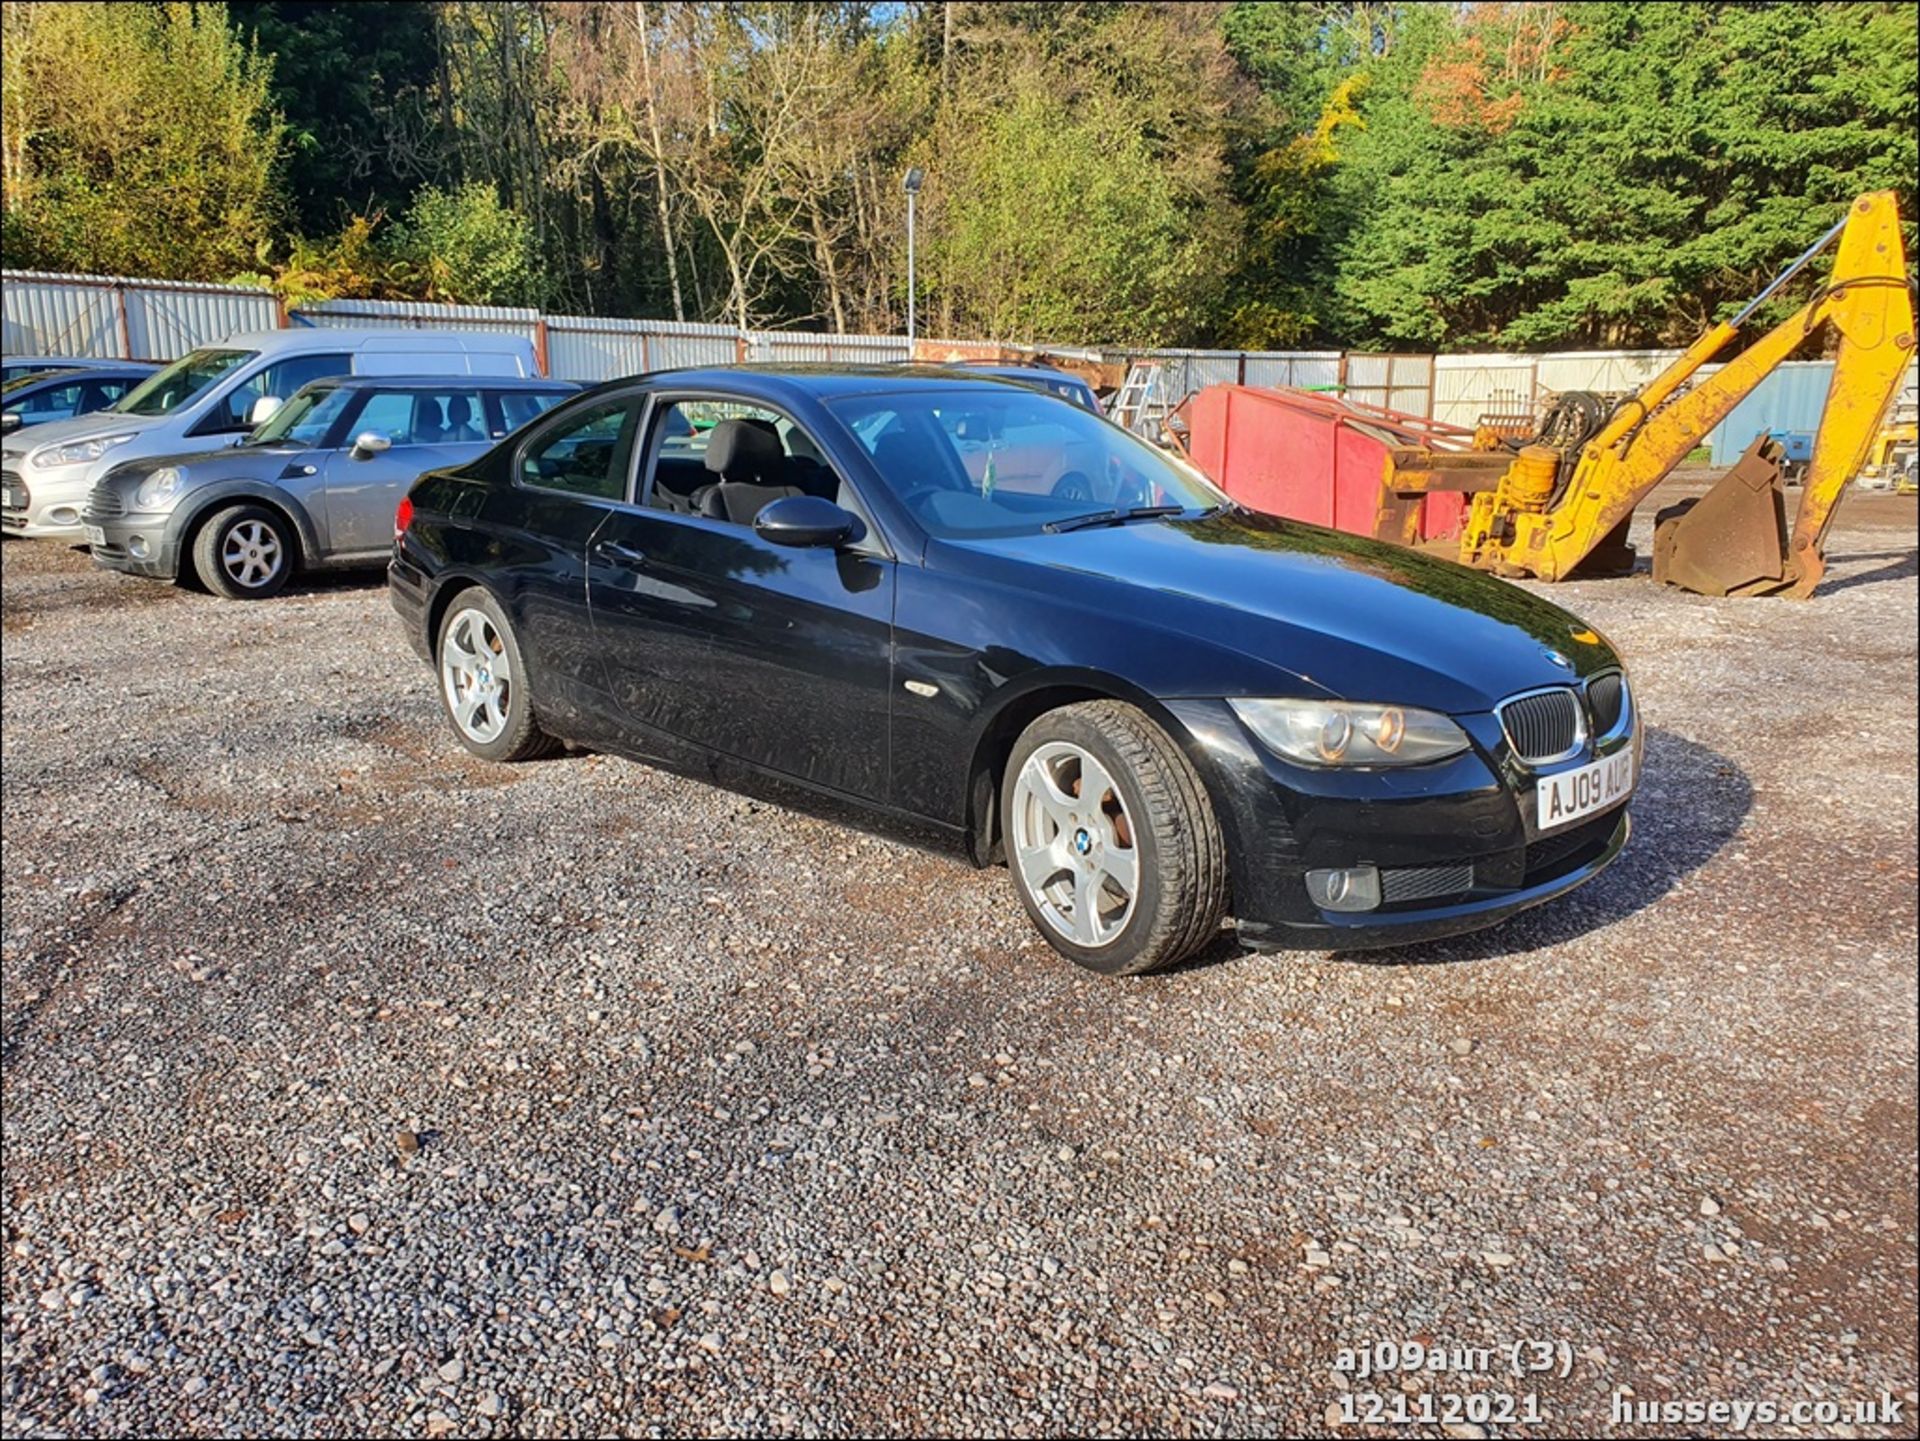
1074, 845
251, 554
477, 675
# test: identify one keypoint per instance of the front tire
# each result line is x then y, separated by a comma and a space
483, 682
1111, 840
246, 552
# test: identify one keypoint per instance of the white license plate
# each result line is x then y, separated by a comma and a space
95, 535
1573, 794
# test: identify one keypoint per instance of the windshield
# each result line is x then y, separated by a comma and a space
181, 383
32, 377
1073, 391
305, 419
999, 461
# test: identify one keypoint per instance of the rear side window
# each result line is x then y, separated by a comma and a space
454, 416
589, 453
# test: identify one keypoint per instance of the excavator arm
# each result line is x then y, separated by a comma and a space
1870, 303
1523, 526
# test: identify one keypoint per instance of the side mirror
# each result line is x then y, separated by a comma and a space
10, 422
262, 410
807, 520
369, 443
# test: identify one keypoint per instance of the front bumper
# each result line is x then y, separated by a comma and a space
1601, 842
136, 543
42, 505
1455, 842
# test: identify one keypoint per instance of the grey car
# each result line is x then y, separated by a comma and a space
314, 486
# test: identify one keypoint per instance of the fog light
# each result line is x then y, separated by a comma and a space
64, 515
138, 548
1357, 889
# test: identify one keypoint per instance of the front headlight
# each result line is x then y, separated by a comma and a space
1347, 733
79, 452
162, 485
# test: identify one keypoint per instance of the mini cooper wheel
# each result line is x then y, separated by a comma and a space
1111, 839
246, 552
483, 682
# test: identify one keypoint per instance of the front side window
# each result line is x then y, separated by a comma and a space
279, 380
103, 393
523, 407
182, 383
55, 402
994, 461
425, 417
588, 453
728, 459
305, 419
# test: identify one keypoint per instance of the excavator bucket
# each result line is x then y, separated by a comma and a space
1733, 539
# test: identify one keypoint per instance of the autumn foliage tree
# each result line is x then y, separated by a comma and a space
1359, 173
139, 139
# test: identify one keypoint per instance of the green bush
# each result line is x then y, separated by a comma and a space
465, 247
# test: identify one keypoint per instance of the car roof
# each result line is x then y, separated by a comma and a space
786, 381
70, 361
67, 374
52, 372
465, 382
1022, 372
312, 337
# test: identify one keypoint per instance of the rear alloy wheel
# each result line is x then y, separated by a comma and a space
483, 682
246, 552
1112, 840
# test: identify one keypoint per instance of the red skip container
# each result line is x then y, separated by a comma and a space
1314, 457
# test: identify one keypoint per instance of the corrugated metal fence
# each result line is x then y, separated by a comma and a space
116, 316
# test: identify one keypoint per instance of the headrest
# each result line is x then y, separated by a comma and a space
743, 448
800, 445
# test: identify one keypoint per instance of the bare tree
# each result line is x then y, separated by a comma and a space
657, 152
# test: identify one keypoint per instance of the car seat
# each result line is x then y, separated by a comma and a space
429, 423
752, 467
460, 427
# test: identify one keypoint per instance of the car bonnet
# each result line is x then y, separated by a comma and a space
1355, 617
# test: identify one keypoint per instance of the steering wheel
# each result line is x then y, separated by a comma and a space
1130, 488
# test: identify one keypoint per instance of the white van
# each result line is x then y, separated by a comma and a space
214, 397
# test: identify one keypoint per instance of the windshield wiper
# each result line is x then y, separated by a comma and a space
1111, 517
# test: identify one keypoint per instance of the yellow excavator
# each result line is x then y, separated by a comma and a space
1564, 500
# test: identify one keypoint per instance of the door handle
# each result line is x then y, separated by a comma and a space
613, 550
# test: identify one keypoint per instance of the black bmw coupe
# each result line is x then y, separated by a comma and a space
996, 618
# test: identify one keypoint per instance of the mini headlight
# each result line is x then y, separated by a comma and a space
163, 484
79, 452
1349, 733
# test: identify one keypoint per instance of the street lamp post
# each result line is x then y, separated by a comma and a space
914, 176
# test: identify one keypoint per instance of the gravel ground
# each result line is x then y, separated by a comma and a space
352, 1085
